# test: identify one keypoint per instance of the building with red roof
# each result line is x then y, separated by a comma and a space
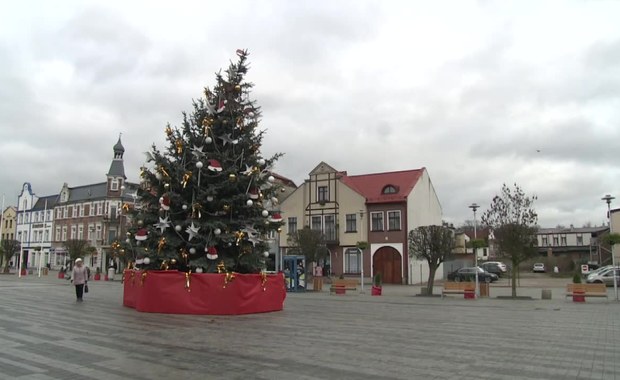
379, 209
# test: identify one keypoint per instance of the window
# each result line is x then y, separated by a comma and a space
73, 232
545, 241
80, 232
57, 237
393, 220
322, 194
352, 260
65, 212
555, 241
579, 239
376, 221
99, 208
48, 215
98, 232
58, 213
389, 189
292, 225
563, 240
64, 233
91, 209
317, 223
81, 208
19, 219
47, 236
330, 227
351, 223
114, 185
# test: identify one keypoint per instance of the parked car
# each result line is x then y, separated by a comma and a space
539, 268
604, 277
469, 274
596, 271
495, 267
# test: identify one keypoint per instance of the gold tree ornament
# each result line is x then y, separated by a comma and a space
239, 235
184, 255
196, 207
186, 177
168, 131
161, 244
232, 177
179, 145
162, 170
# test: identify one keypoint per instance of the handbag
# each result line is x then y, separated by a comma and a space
85, 288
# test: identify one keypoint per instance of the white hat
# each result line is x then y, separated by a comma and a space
78, 260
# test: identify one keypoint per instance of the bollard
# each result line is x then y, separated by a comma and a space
546, 294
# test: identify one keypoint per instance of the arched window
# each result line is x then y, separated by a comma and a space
389, 189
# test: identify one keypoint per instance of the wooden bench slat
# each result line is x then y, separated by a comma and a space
458, 288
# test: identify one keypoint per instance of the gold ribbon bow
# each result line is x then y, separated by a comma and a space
161, 244
188, 280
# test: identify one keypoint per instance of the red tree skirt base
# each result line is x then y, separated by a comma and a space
208, 293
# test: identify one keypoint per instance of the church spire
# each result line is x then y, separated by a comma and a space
117, 168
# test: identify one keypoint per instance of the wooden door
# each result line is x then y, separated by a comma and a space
388, 262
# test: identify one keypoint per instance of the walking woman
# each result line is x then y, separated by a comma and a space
80, 278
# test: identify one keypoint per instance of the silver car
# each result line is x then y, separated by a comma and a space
604, 277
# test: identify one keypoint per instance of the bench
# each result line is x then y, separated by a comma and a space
466, 288
340, 286
586, 290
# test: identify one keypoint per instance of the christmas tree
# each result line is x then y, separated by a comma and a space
208, 201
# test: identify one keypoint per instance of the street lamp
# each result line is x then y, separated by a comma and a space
475, 207
361, 253
608, 198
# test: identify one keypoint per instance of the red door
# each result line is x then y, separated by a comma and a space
388, 262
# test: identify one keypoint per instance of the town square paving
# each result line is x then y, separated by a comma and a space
45, 334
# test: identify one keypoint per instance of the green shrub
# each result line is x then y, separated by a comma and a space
576, 278
377, 280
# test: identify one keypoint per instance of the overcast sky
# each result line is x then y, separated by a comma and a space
480, 93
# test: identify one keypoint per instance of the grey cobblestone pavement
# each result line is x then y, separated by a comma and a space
45, 334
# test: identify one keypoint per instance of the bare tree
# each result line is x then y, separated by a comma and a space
512, 221
77, 248
309, 243
433, 244
9, 249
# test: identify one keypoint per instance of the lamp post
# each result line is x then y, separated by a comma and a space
361, 253
608, 198
475, 207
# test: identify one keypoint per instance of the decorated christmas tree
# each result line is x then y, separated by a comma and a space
208, 200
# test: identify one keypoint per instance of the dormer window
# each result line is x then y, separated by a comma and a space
114, 185
389, 189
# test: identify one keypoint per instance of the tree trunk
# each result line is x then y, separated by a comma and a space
431, 279
513, 276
